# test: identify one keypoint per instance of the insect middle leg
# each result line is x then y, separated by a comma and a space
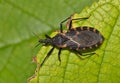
59, 54
61, 27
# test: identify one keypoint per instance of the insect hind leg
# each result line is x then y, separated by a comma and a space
88, 54
70, 23
69, 19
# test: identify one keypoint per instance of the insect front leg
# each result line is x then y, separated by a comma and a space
46, 57
47, 36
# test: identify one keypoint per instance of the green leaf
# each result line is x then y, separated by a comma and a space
18, 20
105, 68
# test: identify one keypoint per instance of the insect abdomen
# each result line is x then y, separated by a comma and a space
83, 37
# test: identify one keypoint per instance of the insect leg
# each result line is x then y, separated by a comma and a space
49, 53
61, 30
59, 54
47, 36
70, 24
85, 54
92, 53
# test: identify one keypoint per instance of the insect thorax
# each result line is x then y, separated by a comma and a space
59, 40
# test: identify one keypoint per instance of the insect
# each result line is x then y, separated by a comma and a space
75, 39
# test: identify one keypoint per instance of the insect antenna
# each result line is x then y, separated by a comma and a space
38, 38
36, 35
37, 45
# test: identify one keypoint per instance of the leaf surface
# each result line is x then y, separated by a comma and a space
19, 19
104, 16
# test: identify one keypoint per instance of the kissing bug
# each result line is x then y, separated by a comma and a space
75, 39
